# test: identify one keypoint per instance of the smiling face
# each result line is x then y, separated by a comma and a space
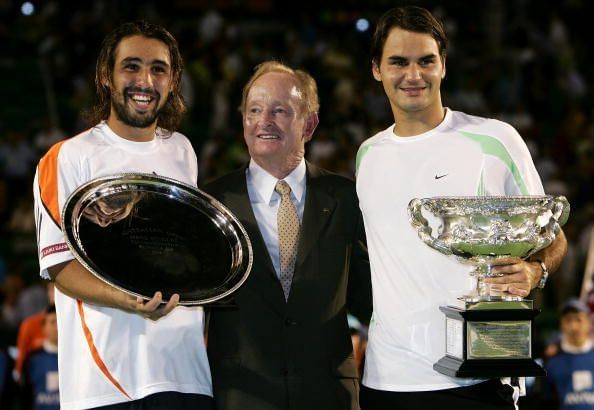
411, 72
140, 85
275, 126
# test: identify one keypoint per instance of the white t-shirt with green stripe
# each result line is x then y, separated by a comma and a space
463, 156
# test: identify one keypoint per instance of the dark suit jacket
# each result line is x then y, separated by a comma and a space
268, 354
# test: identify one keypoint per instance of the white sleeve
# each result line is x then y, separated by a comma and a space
50, 193
194, 164
523, 168
191, 159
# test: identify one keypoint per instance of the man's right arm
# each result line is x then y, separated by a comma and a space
55, 178
74, 280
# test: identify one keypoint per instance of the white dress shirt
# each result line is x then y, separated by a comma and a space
265, 202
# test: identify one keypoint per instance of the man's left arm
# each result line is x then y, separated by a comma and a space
521, 276
359, 298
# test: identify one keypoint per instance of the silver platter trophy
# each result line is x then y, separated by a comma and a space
488, 333
145, 233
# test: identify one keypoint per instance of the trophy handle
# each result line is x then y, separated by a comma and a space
421, 225
560, 215
560, 211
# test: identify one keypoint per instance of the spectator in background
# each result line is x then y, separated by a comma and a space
31, 334
40, 375
570, 372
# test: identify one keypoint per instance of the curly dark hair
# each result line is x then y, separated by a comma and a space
175, 106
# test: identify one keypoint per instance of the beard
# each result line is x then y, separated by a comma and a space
129, 116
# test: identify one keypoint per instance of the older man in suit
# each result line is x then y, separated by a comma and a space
285, 344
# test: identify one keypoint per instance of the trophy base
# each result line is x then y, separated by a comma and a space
489, 339
455, 367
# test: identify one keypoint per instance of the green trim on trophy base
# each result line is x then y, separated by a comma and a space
496, 305
481, 369
490, 314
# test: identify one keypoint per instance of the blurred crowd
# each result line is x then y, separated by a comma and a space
518, 61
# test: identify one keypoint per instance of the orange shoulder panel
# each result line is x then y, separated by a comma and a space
47, 174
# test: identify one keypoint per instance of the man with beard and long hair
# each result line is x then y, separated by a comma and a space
118, 351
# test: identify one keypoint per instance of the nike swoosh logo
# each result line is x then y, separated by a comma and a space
440, 176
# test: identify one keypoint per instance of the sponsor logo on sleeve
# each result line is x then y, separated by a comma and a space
49, 250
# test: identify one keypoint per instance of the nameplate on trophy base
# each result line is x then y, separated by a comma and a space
503, 340
487, 342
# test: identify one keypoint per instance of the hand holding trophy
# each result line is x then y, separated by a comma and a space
489, 332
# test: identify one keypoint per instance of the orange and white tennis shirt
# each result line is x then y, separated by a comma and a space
106, 355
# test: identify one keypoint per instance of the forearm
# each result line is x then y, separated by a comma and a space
74, 280
552, 255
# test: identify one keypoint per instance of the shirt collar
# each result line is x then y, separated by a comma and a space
50, 347
565, 346
444, 124
264, 183
129, 145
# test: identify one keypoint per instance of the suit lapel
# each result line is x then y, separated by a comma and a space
263, 275
319, 206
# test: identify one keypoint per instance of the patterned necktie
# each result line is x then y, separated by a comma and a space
288, 235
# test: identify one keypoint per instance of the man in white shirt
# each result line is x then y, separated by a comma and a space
118, 351
430, 151
285, 344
